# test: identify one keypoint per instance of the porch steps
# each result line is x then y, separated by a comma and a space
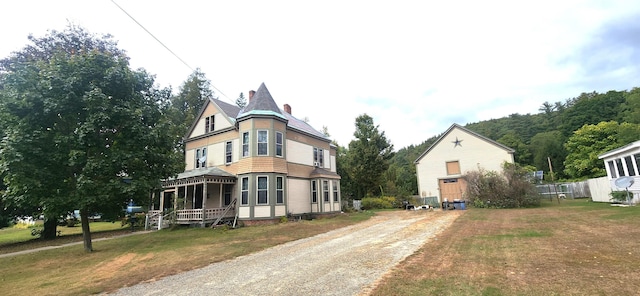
230, 206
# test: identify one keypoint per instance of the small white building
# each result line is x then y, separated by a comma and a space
441, 167
624, 162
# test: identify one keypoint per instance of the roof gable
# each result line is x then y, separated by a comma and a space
465, 130
228, 111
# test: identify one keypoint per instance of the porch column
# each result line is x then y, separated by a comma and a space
193, 197
220, 203
161, 199
204, 202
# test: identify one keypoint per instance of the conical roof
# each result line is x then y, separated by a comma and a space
261, 104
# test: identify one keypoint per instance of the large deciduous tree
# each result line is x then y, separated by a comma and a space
591, 140
368, 157
83, 130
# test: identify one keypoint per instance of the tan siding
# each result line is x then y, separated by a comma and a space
299, 153
262, 165
262, 123
280, 211
189, 159
298, 137
223, 137
298, 170
244, 212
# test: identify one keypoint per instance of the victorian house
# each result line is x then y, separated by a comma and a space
254, 165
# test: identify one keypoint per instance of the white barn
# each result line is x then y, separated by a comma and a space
440, 168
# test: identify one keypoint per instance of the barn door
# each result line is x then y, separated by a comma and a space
452, 188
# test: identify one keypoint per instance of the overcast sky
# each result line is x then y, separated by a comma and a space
416, 67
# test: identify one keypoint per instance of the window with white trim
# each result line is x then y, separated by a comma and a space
620, 168
262, 190
263, 143
318, 157
201, 158
612, 169
279, 190
279, 141
245, 191
325, 190
629, 163
228, 152
314, 192
209, 124
245, 144
335, 191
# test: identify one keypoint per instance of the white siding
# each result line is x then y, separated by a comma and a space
262, 211
222, 122
600, 189
333, 164
198, 130
299, 153
244, 212
327, 158
281, 211
298, 197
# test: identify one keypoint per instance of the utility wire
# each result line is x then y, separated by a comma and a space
163, 45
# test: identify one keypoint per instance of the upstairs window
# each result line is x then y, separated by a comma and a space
453, 168
279, 140
209, 124
318, 157
263, 143
201, 158
228, 152
245, 144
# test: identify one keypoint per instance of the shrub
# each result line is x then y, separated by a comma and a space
618, 196
510, 189
370, 203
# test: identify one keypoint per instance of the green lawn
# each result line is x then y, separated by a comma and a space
15, 235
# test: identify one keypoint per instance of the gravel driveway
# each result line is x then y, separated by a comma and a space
346, 261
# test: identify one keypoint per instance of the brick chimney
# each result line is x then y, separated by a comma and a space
287, 108
251, 93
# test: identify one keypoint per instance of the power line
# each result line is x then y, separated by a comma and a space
163, 45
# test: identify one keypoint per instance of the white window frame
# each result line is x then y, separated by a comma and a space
209, 123
264, 144
228, 153
318, 157
335, 191
280, 191
325, 191
244, 191
314, 191
245, 144
258, 189
279, 144
201, 152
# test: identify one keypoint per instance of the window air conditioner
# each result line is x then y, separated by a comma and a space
316, 164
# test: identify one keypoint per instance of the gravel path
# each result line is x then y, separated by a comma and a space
345, 261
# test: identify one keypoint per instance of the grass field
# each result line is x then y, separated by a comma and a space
573, 248
134, 259
15, 235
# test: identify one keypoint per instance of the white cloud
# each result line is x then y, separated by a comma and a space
416, 67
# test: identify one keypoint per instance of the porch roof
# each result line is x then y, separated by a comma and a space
199, 176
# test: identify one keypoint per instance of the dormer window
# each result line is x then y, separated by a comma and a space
209, 124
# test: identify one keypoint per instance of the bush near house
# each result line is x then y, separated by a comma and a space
384, 202
512, 188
